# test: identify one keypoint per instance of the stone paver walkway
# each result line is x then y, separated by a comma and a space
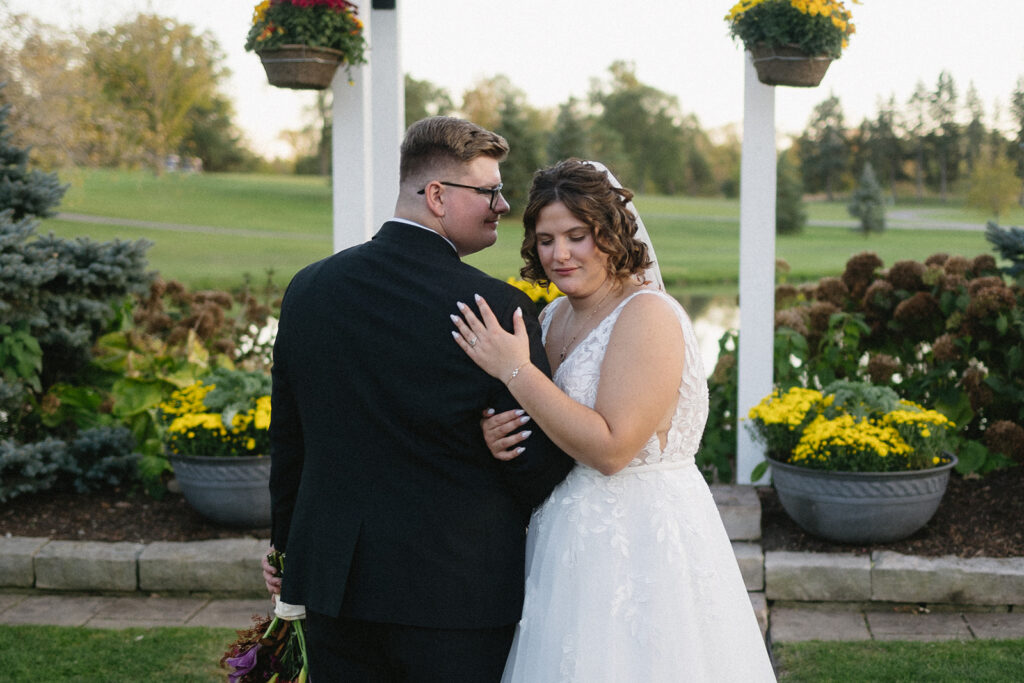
795, 624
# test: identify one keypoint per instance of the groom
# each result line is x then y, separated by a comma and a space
404, 536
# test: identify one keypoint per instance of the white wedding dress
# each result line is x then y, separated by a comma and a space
631, 578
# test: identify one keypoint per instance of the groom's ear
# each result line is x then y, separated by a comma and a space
434, 195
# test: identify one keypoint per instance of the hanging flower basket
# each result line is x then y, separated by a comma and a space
301, 67
788, 65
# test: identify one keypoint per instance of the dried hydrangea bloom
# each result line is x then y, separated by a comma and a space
983, 264
980, 283
792, 318
936, 260
956, 265
881, 367
920, 315
907, 275
832, 290
818, 315
879, 297
944, 349
978, 392
989, 302
786, 296
861, 270
1007, 438
951, 283
726, 362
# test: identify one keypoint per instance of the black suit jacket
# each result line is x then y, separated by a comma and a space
384, 495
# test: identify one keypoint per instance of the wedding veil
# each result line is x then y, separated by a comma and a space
653, 273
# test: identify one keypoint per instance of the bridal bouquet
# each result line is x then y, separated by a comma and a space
274, 649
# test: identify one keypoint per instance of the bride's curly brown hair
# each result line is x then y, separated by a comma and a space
588, 194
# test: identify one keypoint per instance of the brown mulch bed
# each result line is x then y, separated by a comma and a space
106, 517
977, 518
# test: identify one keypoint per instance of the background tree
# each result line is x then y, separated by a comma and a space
649, 124
790, 216
945, 134
974, 133
868, 203
157, 70
994, 186
522, 127
214, 138
569, 137
724, 158
423, 99
23, 192
57, 109
915, 123
1017, 149
482, 102
884, 150
823, 148
699, 179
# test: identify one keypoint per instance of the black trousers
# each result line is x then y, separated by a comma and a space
354, 651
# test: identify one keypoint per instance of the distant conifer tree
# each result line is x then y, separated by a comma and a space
868, 203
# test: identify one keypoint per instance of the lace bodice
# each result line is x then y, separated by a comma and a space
580, 373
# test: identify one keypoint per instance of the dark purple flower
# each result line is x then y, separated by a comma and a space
243, 663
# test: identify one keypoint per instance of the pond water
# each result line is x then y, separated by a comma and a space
712, 316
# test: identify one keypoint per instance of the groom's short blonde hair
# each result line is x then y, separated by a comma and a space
440, 144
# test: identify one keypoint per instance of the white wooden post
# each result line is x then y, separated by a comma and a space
757, 262
368, 121
388, 109
352, 151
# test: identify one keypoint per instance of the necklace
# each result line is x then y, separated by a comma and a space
566, 345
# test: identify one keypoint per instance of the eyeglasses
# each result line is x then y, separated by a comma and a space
495, 191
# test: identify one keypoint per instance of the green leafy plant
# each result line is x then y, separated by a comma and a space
817, 27
21, 357
719, 441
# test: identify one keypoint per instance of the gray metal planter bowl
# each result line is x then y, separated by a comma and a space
230, 491
860, 507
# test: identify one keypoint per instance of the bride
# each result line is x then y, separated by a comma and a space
630, 574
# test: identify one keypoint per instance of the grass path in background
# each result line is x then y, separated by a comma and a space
286, 224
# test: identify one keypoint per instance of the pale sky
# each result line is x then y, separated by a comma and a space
552, 49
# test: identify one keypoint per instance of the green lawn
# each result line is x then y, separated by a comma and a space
54, 653
262, 222
977, 661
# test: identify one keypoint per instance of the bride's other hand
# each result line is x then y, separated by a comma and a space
497, 352
497, 429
